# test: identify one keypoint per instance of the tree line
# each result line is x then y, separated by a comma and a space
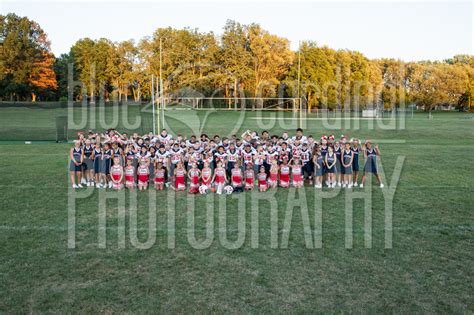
243, 61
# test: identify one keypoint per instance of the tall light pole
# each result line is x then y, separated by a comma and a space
162, 105
298, 92
153, 102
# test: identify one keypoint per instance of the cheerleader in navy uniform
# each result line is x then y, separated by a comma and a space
339, 170
330, 161
355, 162
88, 164
318, 162
370, 166
106, 163
324, 151
97, 158
76, 156
347, 160
117, 152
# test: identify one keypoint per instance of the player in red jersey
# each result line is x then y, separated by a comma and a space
297, 173
249, 177
206, 174
129, 174
236, 179
143, 173
273, 177
116, 173
160, 174
194, 174
219, 178
179, 177
262, 179
285, 174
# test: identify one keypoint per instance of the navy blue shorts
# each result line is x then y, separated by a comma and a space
308, 168
347, 170
324, 169
355, 166
75, 168
105, 167
319, 171
230, 166
88, 164
96, 166
370, 168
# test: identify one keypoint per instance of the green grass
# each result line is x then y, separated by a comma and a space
429, 268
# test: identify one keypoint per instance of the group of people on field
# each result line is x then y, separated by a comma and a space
200, 164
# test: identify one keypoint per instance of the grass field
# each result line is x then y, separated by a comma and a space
429, 269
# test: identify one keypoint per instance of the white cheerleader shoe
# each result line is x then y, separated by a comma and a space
97, 185
343, 185
339, 184
79, 185
74, 186
361, 185
334, 185
381, 185
110, 184
355, 184
349, 186
83, 181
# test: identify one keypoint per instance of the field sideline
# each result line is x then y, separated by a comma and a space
429, 268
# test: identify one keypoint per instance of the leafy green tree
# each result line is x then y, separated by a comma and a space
83, 56
61, 65
271, 59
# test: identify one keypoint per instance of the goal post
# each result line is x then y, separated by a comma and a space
234, 103
369, 113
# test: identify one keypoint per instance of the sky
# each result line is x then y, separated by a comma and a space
405, 30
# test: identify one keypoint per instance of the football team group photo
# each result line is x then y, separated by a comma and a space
236, 157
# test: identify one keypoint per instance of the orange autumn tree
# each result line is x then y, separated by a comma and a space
26, 60
42, 75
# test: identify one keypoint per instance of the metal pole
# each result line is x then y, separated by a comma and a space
299, 76
158, 105
162, 115
153, 102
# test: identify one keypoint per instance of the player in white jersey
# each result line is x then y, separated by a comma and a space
233, 157
259, 158
306, 159
220, 156
247, 155
162, 156
176, 155
164, 137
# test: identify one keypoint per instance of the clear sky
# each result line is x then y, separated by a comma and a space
405, 30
